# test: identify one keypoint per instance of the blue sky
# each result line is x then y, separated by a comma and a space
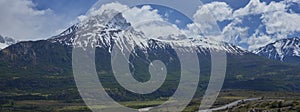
235, 4
74, 8
173, 16
41, 19
69, 8
77, 7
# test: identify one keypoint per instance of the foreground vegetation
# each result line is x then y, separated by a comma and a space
272, 101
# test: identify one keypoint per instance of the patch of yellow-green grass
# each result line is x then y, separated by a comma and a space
37, 102
142, 104
233, 97
72, 108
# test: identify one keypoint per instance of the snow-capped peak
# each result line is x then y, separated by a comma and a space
111, 28
281, 49
6, 41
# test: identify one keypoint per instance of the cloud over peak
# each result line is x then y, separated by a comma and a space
276, 22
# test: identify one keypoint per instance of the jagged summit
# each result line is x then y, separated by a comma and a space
283, 50
110, 27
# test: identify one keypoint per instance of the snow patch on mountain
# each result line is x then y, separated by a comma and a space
2, 46
110, 28
6, 41
281, 49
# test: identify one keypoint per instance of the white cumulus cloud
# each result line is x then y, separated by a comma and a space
257, 40
219, 10
258, 7
275, 18
145, 19
206, 16
281, 22
21, 20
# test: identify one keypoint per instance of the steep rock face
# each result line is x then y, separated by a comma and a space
36, 55
286, 50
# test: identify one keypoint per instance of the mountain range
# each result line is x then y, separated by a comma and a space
45, 66
286, 50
